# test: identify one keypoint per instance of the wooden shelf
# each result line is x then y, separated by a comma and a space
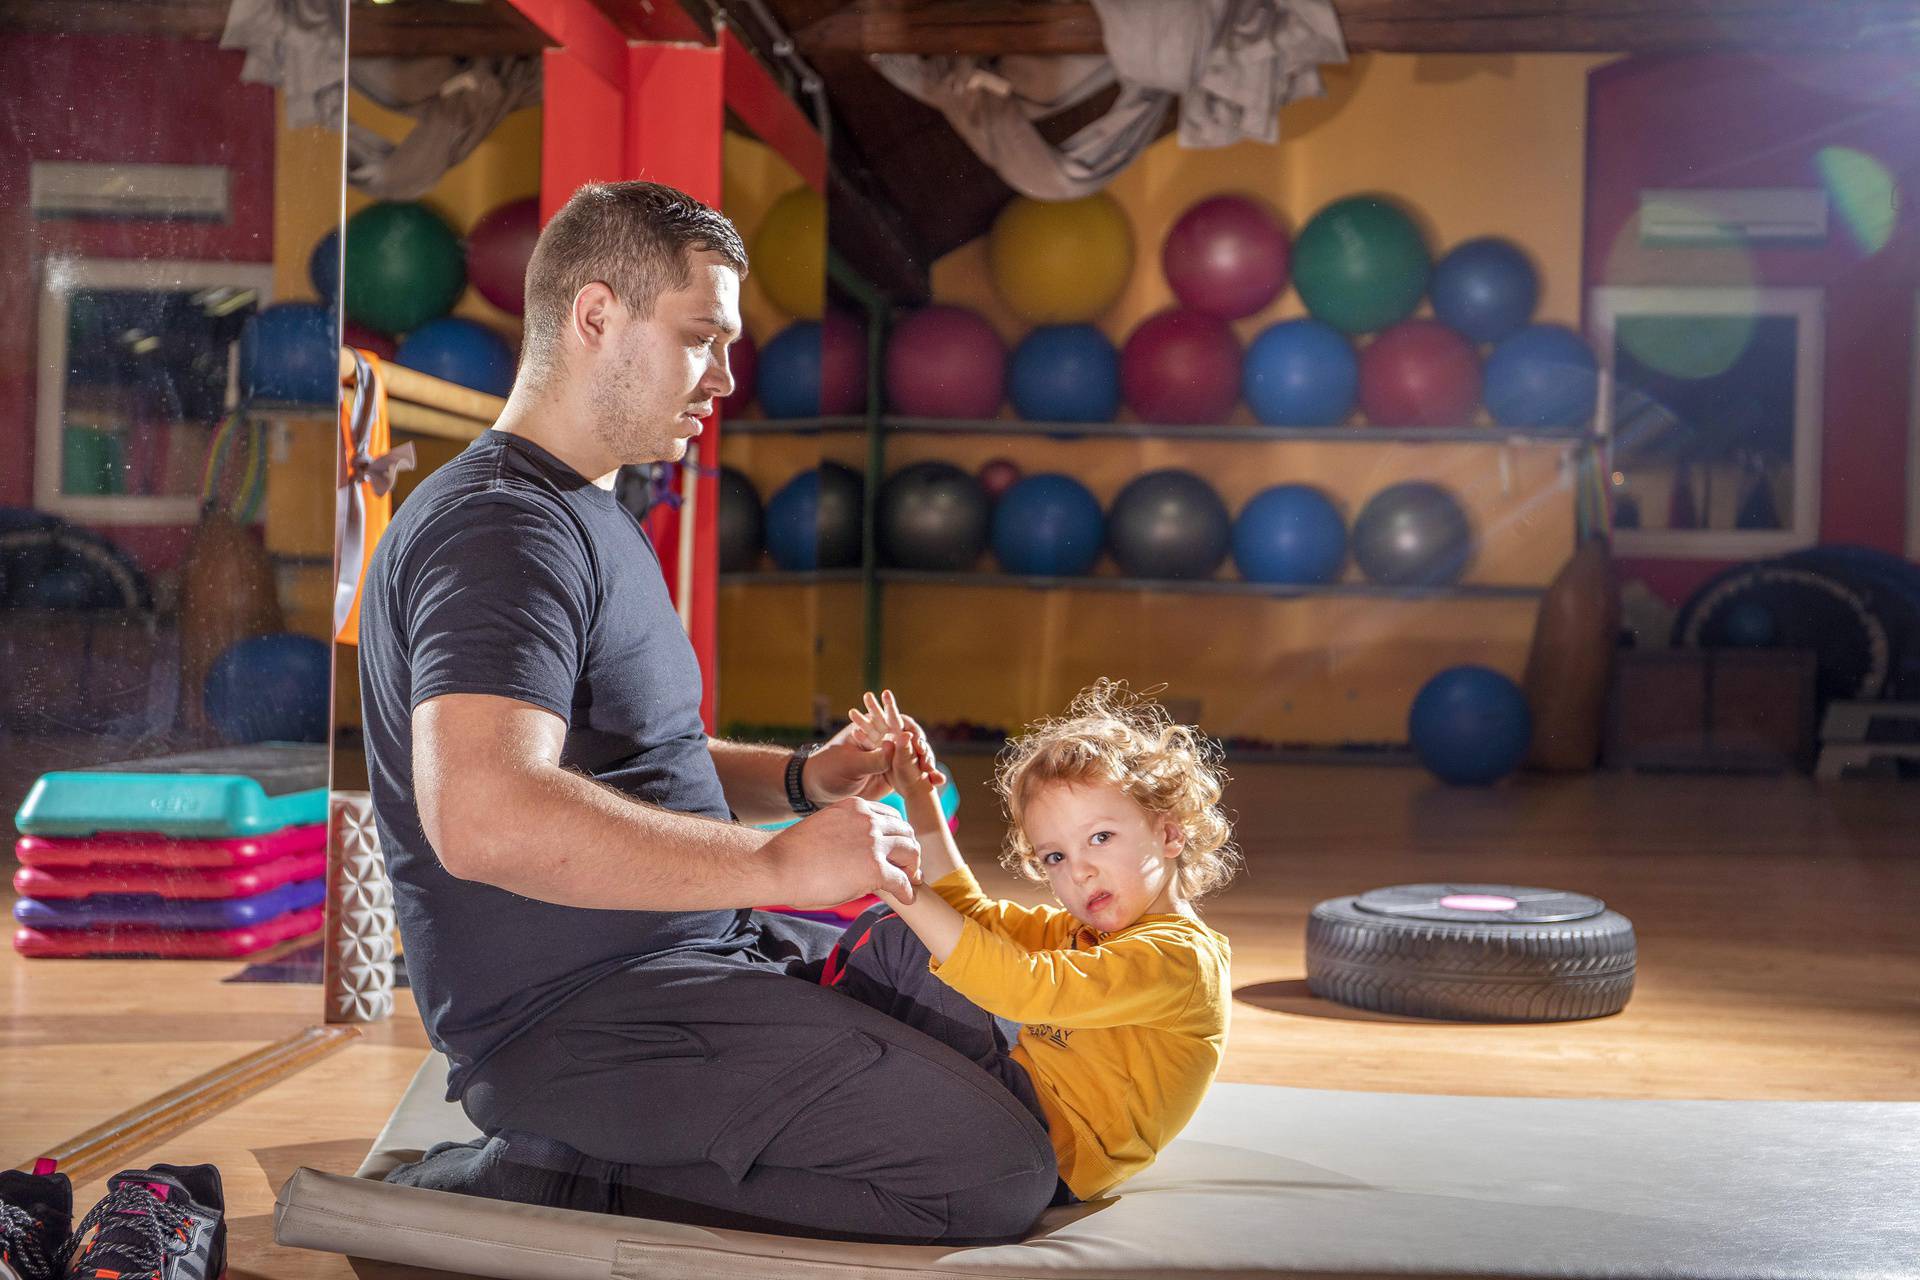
1165, 586
1225, 432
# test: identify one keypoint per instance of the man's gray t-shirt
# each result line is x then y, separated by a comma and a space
507, 573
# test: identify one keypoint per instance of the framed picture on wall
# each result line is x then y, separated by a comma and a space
136, 371
1712, 412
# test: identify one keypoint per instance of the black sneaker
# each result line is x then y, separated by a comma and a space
36, 1212
163, 1223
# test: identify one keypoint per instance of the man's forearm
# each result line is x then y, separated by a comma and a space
754, 778
558, 837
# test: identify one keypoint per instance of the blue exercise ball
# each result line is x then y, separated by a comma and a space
290, 351
1301, 373
1486, 289
1048, 525
274, 688
789, 372
1291, 533
461, 351
1065, 373
813, 520
1750, 625
1470, 726
1543, 376
323, 267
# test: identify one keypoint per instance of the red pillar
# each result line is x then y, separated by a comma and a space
675, 118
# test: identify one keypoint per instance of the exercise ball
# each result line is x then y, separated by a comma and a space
323, 267
814, 368
404, 266
1419, 373
1060, 261
1181, 367
460, 351
1750, 624
1485, 288
1168, 524
358, 335
742, 522
498, 249
933, 516
997, 475
813, 521
1543, 376
1413, 534
1470, 726
946, 362
289, 352
1292, 534
790, 253
274, 688
1065, 373
1360, 264
743, 362
1048, 525
1301, 373
1226, 256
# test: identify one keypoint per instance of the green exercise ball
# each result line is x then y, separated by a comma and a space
1361, 265
404, 267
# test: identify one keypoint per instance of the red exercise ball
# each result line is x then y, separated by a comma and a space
743, 359
1181, 367
1227, 256
946, 362
1419, 373
997, 475
358, 335
843, 364
498, 248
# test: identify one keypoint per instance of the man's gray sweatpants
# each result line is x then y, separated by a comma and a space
735, 1090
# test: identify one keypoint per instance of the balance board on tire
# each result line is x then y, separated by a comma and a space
120, 910
169, 882
233, 791
1268, 1181
120, 849
1472, 952
176, 944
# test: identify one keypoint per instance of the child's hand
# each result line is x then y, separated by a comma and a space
912, 769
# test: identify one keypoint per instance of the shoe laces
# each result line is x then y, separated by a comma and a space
20, 1244
136, 1230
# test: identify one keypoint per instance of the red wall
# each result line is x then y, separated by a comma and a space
117, 98
1750, 121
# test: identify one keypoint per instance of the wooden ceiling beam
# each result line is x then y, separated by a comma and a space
984, 28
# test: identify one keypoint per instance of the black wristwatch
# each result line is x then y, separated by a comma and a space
796, 793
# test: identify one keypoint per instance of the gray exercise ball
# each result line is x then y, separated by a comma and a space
1169, 524
933, 516
742, 522
1413, 535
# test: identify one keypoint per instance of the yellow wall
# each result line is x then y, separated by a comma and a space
1475, 146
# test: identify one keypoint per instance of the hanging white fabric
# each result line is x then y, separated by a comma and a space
1230, 64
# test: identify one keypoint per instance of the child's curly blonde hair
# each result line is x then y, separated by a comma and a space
1112, 734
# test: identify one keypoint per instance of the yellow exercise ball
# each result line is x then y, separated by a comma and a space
790, 253
1060, 261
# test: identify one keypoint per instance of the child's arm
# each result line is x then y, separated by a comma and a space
936, 923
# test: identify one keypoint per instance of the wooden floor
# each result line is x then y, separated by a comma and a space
1779, 958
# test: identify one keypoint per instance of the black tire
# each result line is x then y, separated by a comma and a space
1553, 957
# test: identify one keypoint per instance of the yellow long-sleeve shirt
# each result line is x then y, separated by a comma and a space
1121, 1032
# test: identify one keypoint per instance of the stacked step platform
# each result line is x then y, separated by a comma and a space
206, 855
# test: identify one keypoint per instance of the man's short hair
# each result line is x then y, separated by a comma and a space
634, 237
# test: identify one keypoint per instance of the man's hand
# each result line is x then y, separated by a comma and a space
853, 765
847, 850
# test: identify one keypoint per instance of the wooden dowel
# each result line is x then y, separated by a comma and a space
108, 1146
435, 393
421, 421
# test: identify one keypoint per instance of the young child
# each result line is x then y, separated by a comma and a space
1120, 993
